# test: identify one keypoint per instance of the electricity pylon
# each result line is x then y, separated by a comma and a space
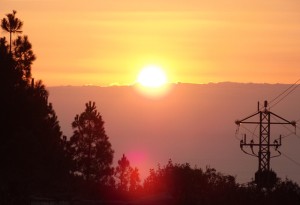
264, 177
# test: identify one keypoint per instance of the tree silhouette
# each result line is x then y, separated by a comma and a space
122, 173
22, 52
188, 185
285, 192
89, 146
134, 183
8, 69
24, 56
127, 177
32, 148
12, 25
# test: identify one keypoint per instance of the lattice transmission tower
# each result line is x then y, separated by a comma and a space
264, 177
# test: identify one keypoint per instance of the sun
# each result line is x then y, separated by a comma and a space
152, 77
152, 82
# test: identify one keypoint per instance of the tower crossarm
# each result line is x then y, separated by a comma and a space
284, 121
238, 122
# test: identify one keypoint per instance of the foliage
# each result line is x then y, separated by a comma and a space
128, 179
12, 25
32, 146
134, 182
188, 185
286, 192
122, 173
89, 146
20, 50
24, 56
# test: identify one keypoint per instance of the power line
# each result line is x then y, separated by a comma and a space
291, 88
291, 131
285, 96
284, 92
285, 136
292, 160
237, 132
251, 132
296, 134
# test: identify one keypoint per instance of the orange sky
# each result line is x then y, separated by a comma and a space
103, 43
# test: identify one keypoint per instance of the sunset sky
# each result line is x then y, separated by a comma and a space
195, 41
108, 42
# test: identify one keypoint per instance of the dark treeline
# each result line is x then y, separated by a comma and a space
32, 148
38, 161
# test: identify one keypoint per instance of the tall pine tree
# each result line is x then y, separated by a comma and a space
90, 147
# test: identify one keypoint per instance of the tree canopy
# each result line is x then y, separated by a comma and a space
11, 24
32, 145
89, 146
128, 178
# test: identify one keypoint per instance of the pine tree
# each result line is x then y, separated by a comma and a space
24, 56
90, 147
123, 173
12, 25
128, 178
32, 149
134, 183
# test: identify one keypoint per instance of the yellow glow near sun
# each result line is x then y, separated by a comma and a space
152, 77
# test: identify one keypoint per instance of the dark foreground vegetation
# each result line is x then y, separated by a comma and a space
39, 165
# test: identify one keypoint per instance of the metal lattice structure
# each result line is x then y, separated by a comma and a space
264, 146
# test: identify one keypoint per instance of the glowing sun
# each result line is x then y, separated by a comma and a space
152, 77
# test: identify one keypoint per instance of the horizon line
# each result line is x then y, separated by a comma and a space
175, 83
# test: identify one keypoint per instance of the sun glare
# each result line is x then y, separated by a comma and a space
152, 77
152, 82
